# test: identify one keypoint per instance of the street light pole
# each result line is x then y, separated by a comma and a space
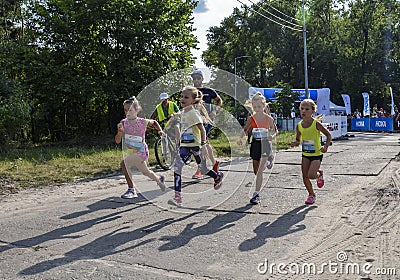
305, 53
236, 58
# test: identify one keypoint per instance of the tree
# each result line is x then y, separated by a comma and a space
88, 56
285, 99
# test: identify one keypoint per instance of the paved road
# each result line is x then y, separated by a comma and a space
85, 231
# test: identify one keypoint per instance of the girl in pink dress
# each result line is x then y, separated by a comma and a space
133, 129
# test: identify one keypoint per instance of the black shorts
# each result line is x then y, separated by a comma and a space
260, 148
311, 158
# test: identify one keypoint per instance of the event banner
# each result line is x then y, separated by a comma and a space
392, 107
372, 124
360, 124
346, 100
323, 103
366, 110
382, 124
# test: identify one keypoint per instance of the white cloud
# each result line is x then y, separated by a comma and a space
201, 7
212, 13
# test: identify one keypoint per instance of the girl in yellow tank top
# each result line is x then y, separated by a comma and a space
308, 135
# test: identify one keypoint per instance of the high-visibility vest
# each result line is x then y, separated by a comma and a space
160, 112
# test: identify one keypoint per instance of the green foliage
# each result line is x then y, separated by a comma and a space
352, 46
286, 99
80, 60
15, 117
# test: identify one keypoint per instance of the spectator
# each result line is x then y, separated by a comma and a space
209, 95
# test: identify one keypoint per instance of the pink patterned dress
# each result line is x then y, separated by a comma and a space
134, 137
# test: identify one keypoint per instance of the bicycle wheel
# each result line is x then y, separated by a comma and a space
165, 152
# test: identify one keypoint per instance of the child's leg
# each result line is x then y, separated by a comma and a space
203, 165
256, 164
127, 173
259, 175
184, 154
305, 167
313, 169
144, 169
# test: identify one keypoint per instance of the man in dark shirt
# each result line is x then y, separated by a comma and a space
209, 95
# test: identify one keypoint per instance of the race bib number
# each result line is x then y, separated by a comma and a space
308, 146
187, 136
260, 133
134, 142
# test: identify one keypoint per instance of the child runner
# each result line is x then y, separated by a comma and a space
308, 135
264, 131
193, 141
133, 129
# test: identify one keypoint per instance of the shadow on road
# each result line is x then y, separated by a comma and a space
103, 246
216, 224
284, 225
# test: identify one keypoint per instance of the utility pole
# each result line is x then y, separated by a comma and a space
305, 53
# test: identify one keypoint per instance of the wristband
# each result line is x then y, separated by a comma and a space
204, 143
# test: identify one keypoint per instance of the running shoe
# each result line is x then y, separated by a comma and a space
218, 181
320, 179
129, 194
255, 199
197, 175
176, 200
310, 199
216, 166
161, 183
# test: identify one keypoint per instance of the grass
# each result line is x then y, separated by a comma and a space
44, 166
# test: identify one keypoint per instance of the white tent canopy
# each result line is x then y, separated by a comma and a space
336, 109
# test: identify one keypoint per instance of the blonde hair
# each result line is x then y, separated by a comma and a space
258, 96
309, 102
134, 103
313, 107
197, 95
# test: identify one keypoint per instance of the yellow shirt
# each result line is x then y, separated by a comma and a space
310, 139
190, 133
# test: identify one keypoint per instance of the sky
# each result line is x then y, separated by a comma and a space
209, 13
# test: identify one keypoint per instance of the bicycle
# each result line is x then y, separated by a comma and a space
166, 148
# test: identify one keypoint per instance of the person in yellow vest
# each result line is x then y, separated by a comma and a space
164, 110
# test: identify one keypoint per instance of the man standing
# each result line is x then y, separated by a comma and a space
164, 110
209, 95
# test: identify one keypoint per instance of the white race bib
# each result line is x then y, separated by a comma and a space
260, 133
308, 146
187, 136
134, 142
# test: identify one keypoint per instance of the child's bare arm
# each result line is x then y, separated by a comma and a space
328, 135
118, 136
297, 141
155, 125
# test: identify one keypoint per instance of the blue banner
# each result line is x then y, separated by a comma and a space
269, 93
382, 124
373, 124
360, 124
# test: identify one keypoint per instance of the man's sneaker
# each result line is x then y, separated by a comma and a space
129, 194
320, 179
197, 175
176, 200
218, 181
310, 199
216, 166
161, 183
270, 163
255, 199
